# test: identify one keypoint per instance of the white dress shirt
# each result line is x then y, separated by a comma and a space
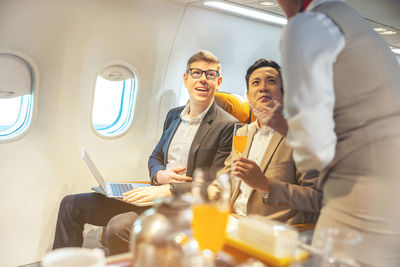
257, 150
310, 44
182, 140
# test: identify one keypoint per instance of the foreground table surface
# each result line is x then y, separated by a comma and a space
229, 257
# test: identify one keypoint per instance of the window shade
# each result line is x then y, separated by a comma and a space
15, 76
116, 73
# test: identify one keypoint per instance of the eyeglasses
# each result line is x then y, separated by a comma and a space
197, 73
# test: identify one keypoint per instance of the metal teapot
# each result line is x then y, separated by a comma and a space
162, 235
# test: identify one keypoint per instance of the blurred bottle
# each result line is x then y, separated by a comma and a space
162, 236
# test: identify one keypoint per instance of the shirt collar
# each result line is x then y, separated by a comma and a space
185, 114
315, 3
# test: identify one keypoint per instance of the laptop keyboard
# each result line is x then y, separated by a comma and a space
119, 189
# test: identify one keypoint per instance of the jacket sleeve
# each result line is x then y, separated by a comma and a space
227, 164
156, 159
304, 196
224, 148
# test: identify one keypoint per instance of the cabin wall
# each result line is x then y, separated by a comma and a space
70, 41
237, 42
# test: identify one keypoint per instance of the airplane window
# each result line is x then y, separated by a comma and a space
114, 100
18, 79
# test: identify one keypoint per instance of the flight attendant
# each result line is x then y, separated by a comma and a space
342, 105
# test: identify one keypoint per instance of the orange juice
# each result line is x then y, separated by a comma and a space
239, 143
209, 224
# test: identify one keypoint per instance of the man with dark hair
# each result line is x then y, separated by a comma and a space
196, 135
269, 183
262, 62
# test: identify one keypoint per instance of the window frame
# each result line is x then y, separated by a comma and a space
31, 109
134, 96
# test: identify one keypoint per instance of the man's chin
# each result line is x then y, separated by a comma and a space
261, 103
264, 103
201, 100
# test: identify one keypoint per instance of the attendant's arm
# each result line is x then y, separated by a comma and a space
310, 45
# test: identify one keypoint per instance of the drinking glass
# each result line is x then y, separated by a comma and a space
78, 257
337, 246
211, 206
239, 141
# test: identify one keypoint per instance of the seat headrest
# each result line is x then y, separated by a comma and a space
236, 105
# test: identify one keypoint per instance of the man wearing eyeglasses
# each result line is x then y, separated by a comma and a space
196, 135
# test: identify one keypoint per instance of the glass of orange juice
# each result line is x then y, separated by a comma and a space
239, 138
239, 141
211, 207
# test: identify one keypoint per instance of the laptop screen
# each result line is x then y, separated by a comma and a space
93, 169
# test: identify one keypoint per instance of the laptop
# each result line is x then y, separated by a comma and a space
109, 189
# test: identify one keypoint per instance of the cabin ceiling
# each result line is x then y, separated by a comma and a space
378, 13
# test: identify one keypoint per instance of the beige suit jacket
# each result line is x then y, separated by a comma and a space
293, 197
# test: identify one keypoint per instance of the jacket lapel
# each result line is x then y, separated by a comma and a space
202, 132
251, 131
276, 138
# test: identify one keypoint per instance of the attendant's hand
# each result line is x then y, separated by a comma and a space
172, 176
272, 117
250, 173
147, 193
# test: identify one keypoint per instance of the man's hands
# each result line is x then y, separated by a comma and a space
147, 194
250, 173
172, 176
272, 117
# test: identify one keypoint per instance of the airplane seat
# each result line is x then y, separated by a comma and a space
236, 105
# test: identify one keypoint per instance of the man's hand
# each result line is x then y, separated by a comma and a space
272, 117
250, 173
172, 176
146, 194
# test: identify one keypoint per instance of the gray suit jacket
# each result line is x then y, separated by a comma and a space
293, 197
210, 147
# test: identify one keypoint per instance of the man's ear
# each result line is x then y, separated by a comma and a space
247, 94
219, 81
185, 77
